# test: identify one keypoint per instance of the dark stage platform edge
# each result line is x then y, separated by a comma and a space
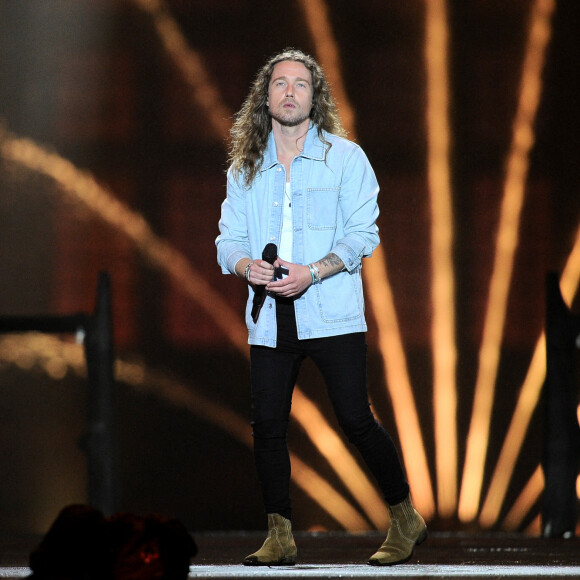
344, 555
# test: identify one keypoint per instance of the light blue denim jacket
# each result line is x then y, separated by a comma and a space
334, 209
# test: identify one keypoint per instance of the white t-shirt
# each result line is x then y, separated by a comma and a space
285, 249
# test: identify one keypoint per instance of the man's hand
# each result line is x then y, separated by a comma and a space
261, 272
298, 279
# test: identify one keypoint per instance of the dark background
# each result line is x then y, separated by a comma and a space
91, 81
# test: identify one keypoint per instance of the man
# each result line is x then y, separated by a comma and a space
295, 181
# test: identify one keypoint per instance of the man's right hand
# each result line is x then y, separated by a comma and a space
261, 272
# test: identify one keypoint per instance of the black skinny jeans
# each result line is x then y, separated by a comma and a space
342, 362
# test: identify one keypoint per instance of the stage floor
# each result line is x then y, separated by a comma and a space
343, 555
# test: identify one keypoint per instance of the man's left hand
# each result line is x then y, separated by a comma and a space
298, 280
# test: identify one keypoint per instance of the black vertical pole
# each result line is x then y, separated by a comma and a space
99, 353
561, 431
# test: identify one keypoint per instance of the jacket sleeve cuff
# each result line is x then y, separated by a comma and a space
233, 259
351, 257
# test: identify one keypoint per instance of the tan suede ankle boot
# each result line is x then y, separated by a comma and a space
407, 530
279, 548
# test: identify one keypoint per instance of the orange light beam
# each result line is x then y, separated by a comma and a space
379, 290
399, 385
525, 501
316, 14
326, 496
527, 401
535, 528
205, 93
506, 244
570, 278
443, 286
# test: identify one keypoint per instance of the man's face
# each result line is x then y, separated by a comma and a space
290, 93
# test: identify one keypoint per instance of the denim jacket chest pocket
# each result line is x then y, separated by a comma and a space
322, 207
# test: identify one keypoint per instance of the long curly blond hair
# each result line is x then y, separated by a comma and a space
252, 123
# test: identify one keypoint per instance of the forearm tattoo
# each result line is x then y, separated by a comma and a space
331, 262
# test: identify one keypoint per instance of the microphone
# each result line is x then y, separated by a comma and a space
269, 254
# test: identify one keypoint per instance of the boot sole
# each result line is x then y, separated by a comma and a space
282, 562
422, 537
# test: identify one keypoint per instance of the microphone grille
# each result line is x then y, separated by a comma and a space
270, 253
